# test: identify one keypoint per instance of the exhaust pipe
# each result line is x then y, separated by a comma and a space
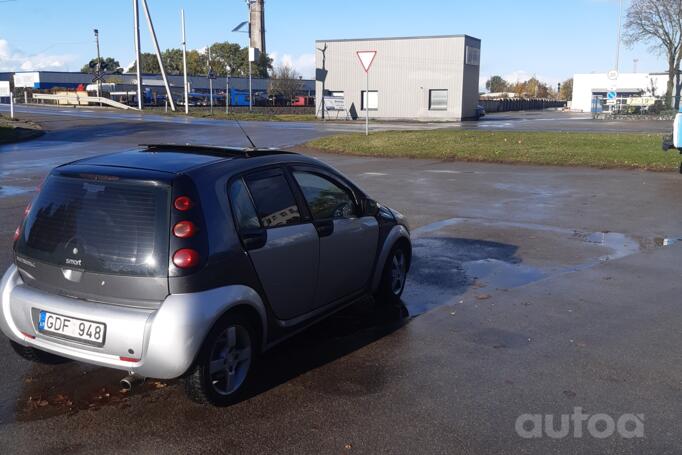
131, 381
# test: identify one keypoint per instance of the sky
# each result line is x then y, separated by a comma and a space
549, 39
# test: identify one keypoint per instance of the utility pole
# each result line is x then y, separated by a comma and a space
620, 28
324, 77
184, 61
138, 60
210, 79
158, 54
98, 67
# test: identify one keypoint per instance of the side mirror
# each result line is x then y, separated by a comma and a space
369, 207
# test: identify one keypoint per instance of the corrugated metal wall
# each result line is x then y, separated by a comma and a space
403, 72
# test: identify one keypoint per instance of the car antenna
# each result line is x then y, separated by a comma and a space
253, 146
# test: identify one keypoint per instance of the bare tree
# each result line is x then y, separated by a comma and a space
659, 23
285, 82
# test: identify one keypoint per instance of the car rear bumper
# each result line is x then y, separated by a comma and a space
160, 343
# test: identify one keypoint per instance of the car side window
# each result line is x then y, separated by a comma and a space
244, 211
275, 203
325, 198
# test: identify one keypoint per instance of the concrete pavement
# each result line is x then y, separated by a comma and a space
534, 290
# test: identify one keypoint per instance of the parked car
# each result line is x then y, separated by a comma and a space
175, 261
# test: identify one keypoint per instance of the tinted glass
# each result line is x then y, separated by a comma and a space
325, 198
274, 200
243, 208
107, 227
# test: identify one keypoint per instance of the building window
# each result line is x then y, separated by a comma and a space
473, 56
372, 103
438, 100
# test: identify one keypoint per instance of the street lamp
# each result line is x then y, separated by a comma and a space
227, 88
98, 67
238, 29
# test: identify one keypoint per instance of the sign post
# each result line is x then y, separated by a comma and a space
366, 58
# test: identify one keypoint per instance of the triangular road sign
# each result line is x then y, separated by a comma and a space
366, 58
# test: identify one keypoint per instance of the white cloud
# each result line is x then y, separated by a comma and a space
15, 60
304, 63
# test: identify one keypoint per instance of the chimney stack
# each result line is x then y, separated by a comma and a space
257, 24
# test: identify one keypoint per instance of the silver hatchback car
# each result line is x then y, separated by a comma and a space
185, 261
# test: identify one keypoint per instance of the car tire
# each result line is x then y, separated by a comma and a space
224, 368
393, 277
36, 355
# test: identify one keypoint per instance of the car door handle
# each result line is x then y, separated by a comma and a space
324, 228
254, 239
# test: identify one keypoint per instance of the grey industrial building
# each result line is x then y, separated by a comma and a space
412, 78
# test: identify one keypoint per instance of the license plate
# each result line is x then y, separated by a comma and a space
72, 328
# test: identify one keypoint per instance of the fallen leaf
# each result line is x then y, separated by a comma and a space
483, 296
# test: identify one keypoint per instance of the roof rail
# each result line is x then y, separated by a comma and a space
245, 152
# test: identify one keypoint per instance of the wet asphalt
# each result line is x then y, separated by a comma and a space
533, 290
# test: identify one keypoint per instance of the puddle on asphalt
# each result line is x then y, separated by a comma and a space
8, 191
502, 275
445, 268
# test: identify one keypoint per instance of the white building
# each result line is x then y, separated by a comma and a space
587, 87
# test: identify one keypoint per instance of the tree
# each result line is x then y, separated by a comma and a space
567, 90
222, 54
496, 84
149, 64
108, 65
285, 82
659, 23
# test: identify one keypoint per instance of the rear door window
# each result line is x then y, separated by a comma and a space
242, 206
118, 226
274, 200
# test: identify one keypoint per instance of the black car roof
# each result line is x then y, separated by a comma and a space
178, 158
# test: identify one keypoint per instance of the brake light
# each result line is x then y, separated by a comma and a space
184, 229
183, 203
129, 359
27, 209
185, 258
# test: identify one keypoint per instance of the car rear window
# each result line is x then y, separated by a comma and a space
118, 227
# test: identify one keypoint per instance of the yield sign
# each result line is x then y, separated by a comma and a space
366, 59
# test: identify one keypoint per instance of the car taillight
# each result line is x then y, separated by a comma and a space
184, 229
17, 233
183, 203
185, 258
